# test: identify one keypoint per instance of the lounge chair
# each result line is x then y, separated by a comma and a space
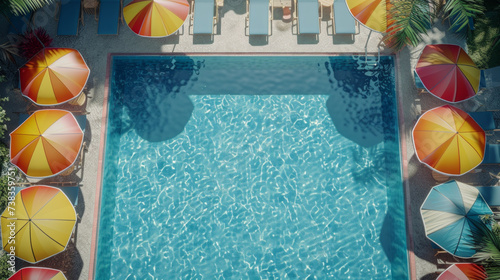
485, 119
491, 195
70, 14
342, 20
19, 24
307, 16
204, 16
490, 77
109, 16
492, 154
259, 18
71, 192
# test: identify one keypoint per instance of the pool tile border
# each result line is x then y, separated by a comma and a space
402, 141
404, 169
97, 199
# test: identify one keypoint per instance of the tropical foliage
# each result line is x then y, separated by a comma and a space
21, 7
34, 41
8, 52
461, 11
487, 244
5, 273
484, 45
410, 19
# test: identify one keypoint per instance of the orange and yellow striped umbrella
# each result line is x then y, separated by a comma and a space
448, 72
38, 273
46, 143
449, 141
156, 18
54, 76
39, 223
371, 13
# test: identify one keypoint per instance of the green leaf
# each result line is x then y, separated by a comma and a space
460, 11
410, 21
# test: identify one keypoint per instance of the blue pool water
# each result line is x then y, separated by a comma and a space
253, 167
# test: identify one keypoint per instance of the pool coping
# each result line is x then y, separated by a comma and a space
402, 142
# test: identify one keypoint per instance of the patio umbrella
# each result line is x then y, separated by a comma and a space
449, 141
53, 76
371, 13
463, 271
448, 72
155, 18
40, 223
448, 212
46, 143
38, 273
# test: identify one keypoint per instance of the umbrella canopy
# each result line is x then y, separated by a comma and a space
46, 144
38, 273
449, 141
371, 13
40, 223
448, 72
447, 213
463, 271
155, 18
53, 76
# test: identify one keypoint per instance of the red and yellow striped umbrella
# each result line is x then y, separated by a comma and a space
54, 76
448, 72
38, 273
156, 18
46, 143
449, 141
463, 271
371, 13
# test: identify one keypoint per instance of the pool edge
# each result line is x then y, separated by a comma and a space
97, 198
412, 270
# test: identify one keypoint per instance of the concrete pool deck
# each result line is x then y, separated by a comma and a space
231, 39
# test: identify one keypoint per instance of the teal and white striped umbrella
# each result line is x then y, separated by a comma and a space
447, 213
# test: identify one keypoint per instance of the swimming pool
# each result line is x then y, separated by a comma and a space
251, 167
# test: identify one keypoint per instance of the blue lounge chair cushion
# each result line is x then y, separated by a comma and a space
69, 16
492, 154
308, 16
19, 24
203, 21
490, 77
258, 17
491, 195
484, 119
344, 21
109, 14
418, 82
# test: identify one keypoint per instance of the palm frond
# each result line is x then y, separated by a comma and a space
459, 12
8, 53
487, 245
21, 7
409, 20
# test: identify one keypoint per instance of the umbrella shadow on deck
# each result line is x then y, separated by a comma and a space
69, 261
